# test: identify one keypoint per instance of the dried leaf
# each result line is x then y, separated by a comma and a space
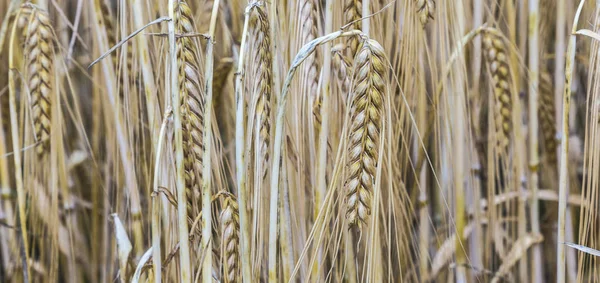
584, 249
588, 33
519, 249
446, 252
138, 270
124, 246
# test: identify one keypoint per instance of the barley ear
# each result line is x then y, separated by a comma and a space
425, 10
39, 50
353, 13
262, 86
497, 61
308, 20
230, 231
547, 118
191, 106
364, 131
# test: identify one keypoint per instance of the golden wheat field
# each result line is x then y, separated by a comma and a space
299, 141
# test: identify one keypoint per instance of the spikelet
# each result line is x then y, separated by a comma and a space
425, 10
353, 12
39, 61
497, 61
230, 231
343, 69
261, 88
192, 104
365, 127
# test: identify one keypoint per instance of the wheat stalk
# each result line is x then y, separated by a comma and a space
366, 125
564, 148
19, 182
39, 47
497, 61
240, 176
207, 140
179, 127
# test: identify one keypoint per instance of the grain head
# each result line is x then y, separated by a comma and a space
230, 231
425, 10
365, 129
39, 62
192, 104
498, 65
353, 13
261, 88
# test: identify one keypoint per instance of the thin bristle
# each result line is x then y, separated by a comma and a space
365, 129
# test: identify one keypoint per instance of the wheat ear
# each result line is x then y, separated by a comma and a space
425, 10
261, 55
547, 117
191, 106
109, 22
353, 13
365, 127
39, 47
309, 30
230, 229
497, 61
